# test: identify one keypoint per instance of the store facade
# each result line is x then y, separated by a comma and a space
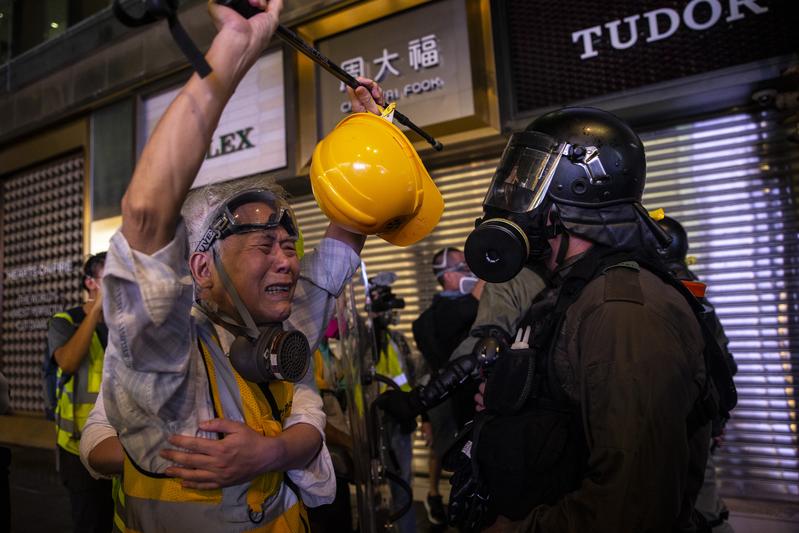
683, 72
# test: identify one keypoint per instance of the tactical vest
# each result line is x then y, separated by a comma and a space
79, 393
537, 453
269, 503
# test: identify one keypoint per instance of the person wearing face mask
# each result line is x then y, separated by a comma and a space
595, 415
437, 332
218, 424
609, 392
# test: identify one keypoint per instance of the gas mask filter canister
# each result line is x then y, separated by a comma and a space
497, 250
276, 355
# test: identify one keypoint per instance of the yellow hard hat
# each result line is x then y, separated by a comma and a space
367, 178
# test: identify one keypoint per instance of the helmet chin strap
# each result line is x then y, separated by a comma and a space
249, 328
555, 229
563, 247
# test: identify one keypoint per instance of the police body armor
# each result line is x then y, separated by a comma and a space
528, 447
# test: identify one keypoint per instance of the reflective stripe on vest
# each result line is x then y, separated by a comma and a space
119, 506
390, 365
157, 503
79, 394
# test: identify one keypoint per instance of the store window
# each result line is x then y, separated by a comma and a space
26, 24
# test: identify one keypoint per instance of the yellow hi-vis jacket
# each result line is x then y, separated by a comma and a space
153, 502
119, 506
389, 364
79, 394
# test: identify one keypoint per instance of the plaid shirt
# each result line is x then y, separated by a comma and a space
155, 383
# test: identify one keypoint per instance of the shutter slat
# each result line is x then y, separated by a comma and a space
729, 181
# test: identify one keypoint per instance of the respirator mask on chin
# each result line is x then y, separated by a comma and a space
467, 284
513, 230
266, 353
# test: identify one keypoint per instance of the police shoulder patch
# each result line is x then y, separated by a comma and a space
622, 283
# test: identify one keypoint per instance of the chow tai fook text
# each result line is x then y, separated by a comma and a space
422, 53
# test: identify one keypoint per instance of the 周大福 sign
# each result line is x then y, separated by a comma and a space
251, 135
420, 58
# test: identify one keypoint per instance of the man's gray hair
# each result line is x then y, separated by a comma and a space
201, 203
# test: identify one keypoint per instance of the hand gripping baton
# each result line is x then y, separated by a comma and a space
244, 8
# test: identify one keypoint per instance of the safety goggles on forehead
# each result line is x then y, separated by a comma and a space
525, 172
269, 213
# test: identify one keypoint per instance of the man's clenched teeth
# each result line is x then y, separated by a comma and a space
278, 288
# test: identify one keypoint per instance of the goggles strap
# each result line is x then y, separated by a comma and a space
249, 324
456, 268
220, 318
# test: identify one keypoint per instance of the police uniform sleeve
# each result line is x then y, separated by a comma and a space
637, 383
503, 305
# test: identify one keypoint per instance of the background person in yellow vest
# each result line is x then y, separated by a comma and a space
180, 290
394, 360
76, 340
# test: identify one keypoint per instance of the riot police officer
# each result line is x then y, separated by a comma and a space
595, 416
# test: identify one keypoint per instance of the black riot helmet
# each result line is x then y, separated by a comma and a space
584, 164
676, 251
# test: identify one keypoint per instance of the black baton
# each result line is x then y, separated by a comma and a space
244, 8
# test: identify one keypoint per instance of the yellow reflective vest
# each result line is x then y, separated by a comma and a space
79, 394
269, 503
391, 365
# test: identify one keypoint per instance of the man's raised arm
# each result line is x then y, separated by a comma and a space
173, 155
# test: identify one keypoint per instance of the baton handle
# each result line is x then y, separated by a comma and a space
244, 9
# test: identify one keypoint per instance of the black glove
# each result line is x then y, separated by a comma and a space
510, 382
402, 406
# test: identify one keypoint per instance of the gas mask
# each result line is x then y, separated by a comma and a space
514, 229
266, 353
502, 243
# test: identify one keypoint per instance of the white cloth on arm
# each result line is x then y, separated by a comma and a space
155, 383
95, 431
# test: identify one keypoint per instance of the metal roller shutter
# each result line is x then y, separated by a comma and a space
729, 180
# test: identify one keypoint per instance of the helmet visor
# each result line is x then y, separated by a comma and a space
525, 172
235, 216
